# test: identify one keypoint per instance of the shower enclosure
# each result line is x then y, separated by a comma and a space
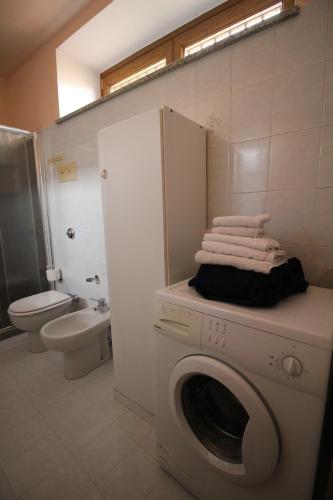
22, 250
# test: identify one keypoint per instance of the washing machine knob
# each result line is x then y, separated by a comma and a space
292, 366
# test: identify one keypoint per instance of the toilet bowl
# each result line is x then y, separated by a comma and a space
31, 313
82, 337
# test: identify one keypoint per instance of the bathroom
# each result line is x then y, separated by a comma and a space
265, 101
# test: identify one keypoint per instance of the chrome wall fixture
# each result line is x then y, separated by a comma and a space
70, 233
95, 279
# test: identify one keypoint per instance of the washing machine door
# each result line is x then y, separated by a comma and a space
224, 418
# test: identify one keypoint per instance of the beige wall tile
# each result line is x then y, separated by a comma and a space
298, 98
247, 203
303, 253
324, 218
249, 166
181, 87
251, 109
325, 175
328, 99
217, 170
214, 114
190, 112
151, 95
294, 160
301, 41
217, 205
253, 59
322, 266
214, 75
292, 214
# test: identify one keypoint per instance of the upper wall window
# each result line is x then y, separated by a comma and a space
233, 29
220, 23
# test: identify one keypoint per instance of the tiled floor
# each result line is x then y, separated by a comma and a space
69, 440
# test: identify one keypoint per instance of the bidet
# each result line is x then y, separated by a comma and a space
82, 337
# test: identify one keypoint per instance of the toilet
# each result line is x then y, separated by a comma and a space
31, 313
83, 338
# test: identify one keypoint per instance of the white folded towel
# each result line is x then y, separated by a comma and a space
259, 266
264, 244
241, 220
240, 251
238, 231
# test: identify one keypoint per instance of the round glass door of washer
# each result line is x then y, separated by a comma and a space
224, 418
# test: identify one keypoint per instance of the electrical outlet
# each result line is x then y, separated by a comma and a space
67, 172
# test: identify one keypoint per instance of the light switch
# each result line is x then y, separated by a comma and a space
67, 172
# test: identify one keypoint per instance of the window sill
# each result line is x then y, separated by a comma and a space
186, 60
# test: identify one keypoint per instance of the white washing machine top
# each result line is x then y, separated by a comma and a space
38, 302
305, 317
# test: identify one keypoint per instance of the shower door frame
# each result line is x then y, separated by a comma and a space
9, 331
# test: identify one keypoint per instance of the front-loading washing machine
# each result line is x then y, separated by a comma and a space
241, 394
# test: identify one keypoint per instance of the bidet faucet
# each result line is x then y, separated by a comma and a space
101, 305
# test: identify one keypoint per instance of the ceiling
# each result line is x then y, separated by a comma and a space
125, 26
25, 25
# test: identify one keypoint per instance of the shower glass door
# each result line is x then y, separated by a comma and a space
22, 249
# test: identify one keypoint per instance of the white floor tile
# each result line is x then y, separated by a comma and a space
82, 428
6, 492
15, 408
134, 426
34, 464
55, 389
22, 437
149, 444
169, 489
133, 478
93, 494
13, 341
68, 482
112, 408
44, 418
65, 408
105, 452
100, 392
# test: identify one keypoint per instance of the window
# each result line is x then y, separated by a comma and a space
230, 18
233, 29
140, 74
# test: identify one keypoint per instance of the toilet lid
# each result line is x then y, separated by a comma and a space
38, 301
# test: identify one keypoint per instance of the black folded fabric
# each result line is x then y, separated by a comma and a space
249, 288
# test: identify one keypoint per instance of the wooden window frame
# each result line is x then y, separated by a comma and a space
171, 47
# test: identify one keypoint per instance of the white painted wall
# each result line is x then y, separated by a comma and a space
125, 26
78, 83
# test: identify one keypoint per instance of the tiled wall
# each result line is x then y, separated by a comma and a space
268, 104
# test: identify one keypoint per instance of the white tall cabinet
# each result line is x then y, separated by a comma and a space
154, 202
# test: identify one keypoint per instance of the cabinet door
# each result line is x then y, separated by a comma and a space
132, 192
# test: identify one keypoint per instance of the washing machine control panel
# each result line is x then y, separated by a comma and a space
291, 363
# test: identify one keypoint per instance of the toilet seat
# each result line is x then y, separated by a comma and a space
40, 302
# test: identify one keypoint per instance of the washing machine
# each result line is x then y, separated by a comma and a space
241, 395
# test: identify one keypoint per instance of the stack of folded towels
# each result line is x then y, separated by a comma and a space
240, 265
